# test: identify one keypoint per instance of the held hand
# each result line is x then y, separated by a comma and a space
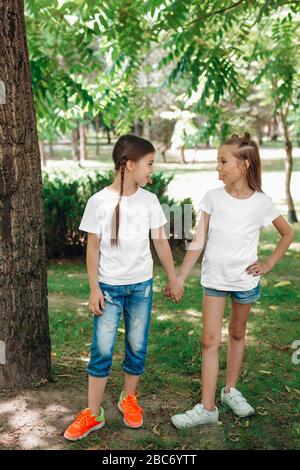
258, 268
174, 290
96, 302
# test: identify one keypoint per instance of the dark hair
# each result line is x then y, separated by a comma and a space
127, 147
247, 149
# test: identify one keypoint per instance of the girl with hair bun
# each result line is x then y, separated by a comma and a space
227, 236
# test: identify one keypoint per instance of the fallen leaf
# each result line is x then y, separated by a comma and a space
271, 400
190, 333
288, 389
40, 383
283, 283
266, 372
262, 411
233, 437
155, 430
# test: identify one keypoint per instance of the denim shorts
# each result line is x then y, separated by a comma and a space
135, 301
239, 297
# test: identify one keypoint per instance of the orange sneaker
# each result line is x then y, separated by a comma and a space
84, 423
132, 412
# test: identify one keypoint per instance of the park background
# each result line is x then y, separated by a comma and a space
185, 74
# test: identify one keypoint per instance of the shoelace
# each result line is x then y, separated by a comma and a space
83, 418
130, 403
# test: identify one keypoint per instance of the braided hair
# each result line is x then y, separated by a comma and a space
247, 149
128, 147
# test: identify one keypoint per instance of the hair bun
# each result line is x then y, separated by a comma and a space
235, 136
246, 137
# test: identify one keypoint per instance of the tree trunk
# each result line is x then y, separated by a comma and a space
146, 128
274, 136
75, 147
51, 149
97, 128
108, 136
292, 216
163, 153
182, 155
137, 127
42, 153
82, 137
24, 332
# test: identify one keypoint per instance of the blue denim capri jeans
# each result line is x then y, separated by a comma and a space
135, 301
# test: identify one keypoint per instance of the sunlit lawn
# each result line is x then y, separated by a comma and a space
171, 383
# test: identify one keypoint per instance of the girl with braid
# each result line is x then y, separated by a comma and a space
228, 236
118, 220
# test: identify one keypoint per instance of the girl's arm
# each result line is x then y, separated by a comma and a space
287, 236
195, 249
164, 253
92, 261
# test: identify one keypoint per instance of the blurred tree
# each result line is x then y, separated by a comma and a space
279, 56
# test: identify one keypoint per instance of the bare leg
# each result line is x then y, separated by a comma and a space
212, 312
236, 329
131, 383
96, 392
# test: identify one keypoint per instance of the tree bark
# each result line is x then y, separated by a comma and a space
292, 216
24, 332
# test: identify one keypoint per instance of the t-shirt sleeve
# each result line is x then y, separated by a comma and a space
271, 213
90, 219
206, 203
157, 216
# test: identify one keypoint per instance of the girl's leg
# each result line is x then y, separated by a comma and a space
105, 331
131, 383
236, 329
137, 313
213, 309
96, 391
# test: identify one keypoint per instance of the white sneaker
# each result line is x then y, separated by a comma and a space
198, 415
235, 400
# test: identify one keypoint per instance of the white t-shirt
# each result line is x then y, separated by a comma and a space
233, 237
131, 261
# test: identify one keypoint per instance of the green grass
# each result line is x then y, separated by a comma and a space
171, 382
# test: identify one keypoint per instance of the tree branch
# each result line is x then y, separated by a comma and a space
215, 12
